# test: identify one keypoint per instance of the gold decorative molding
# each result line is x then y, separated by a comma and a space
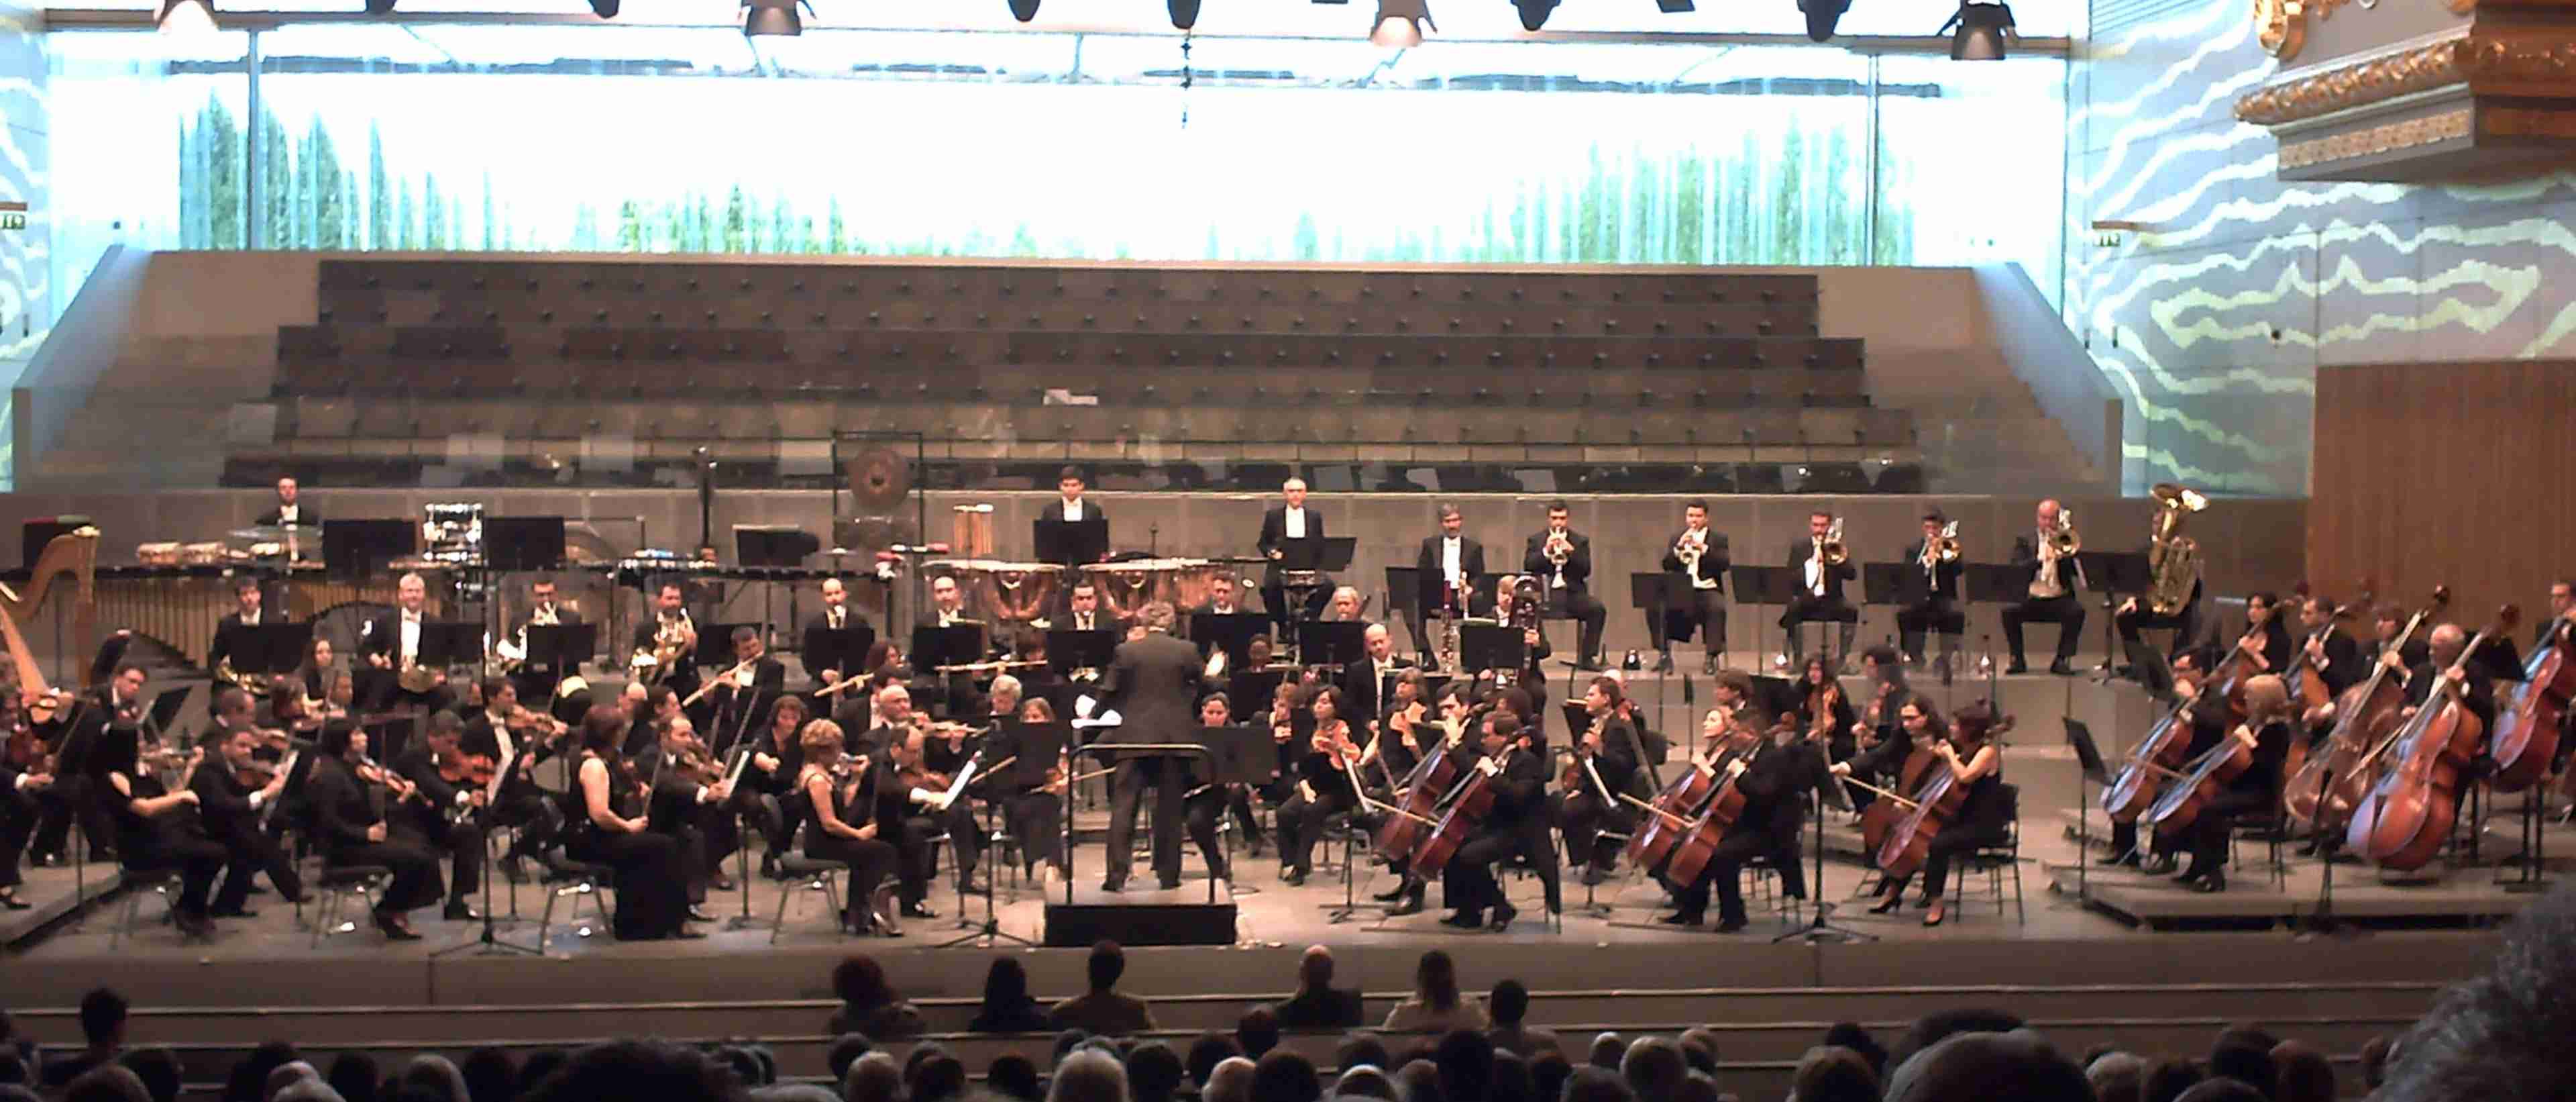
2547, 62
2379, 78
2281, 27
2377, 139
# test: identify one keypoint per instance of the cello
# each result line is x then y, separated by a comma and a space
1671, 816
1698, 843
1466, 806
2190, 794
2321, 792
1435, 773
2402, 824
2526, 733
1936, 803
2134, 790
2307, 684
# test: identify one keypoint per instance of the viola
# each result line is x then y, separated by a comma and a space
2407, 816
463, 769
2323, 788
1935, 804
2526, 734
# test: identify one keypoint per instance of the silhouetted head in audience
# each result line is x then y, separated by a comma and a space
158, 1068
1014, 1076
1089, 1077
2246, 1033
938, 1078
1466, 1062
355, 1076
2222, 1089
845, 1051
1367, 1082
1978, 1066
1421, 1082
489, 1074
2501, 1036
1932, 1028
287, 1074
2167, 1079
1107, 963
1508, 1003
861, 983
102, 1019
1067, 1041
1315, 969
2301, 1074
1207, 1050
1435, 980
1229, 1081
1154, 1072
106, 1083
438, 1074
1653, 1067
638, 1069
12, 1068
1699, 1049
1597, 1084
2116, 1076
1512, 1082
315, 1090
2240, 1060
1832, 1073
1361, 1048
1006, 984
1281, 1075
874, 1077
2374, 1060
540, 1064
1257, 1031
1548, 1071
1607, 1050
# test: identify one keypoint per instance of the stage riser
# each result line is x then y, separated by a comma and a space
1076, 925
2245, 544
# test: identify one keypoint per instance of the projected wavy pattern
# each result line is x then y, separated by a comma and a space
2212, 324
25, 315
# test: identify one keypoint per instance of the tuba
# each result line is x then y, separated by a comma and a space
2173, 559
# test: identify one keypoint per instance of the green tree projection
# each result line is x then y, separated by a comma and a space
380, 206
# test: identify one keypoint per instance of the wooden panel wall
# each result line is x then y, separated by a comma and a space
2450, 473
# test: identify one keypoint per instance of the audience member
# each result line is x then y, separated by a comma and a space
1700, 1088
1850, 1035
540, 1064
845, 1051
1282, 1075
286, 1075
1466, 1062
1699, 1049
1066, 1040
1317, 1004
1103, 1011
2374, 1060
1362, 1049
1367, 1082
1154, 1072
102, 1024
1420, 1081
248, 1079
1597, 1084
874, 1077
1229, 1081
13, 1069
1435, 1006
1548, 1071
1653, 1067
489, 1075
354, 1076
2240, 1060
1981, 1066
2167, 1079
1007, 1006
1512, 1082
1932, 1028
1014, 1076
1090, 1076
315, 1090
938, 1078
105, 1082
1207, 1050
2116, 1076
2501, 1036
437, 1073
1607, 1050
1508, 1005
638, 1069
2301, 1074
1832, 1073
1257, 1031
2222, 1089
158, 1068
869, 1004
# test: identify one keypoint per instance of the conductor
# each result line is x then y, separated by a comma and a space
1153, 683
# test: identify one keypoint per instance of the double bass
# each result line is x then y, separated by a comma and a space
2526, 733
1935, 805
2321, 791
2407, 816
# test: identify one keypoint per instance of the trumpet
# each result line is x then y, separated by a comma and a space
1690, 548
1830, 550
2055, 546
1558, 548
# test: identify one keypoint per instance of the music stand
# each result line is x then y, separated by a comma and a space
523, 543
1484, 647
715, 646
1331, 642
449, 643
353, 550
1249, 691
1776, 695
955, 645
1231, 632
1068, 649
2090, 770
560, 647
165, 708
1651, 592
1999, 584
1761, 585
1069, 543
1406, 589
1897, 585
2110, 574
844, 649
270, 648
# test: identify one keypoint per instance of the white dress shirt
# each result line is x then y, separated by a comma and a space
1450, 549
1815, 568
832, 618
1699, 580
1072, 509
1295, 526
407, 645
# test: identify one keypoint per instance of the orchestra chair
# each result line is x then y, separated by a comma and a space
1995, 859
813, 873
138, 883
1761, 880
580, 880
332, 889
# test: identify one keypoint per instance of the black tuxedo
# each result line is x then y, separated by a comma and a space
1274, 536
735, 711
1368, 692
228, 632
1692, 608
537, 679
306, 516
2067, 611
1153, 683
343, 809
683, 677
463, 840
1582, 812
1574, 599
382, 635
1809, 605
224, 805
1772, 786
1515, 827
1431, 580
1090, 509
2345, 665
1938, 611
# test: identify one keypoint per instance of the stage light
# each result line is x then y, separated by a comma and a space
1534, 13
1822, 15
1982, 31
380, 7
771, 17
1185, 14
605, 9
1400, 22
1675, 7
186, 17
1024, 10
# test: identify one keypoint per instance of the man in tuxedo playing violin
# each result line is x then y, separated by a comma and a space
231, 810
448, 815
1583, 810
737, 707
691, 806
489, 733
1367, 682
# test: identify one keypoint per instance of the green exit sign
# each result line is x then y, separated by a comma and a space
13, 220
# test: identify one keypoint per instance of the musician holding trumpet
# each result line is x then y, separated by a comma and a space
1822, 563
1936, 557
1699, 557
1561, 559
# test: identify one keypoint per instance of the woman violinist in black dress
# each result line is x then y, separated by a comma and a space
840, 819
607, 826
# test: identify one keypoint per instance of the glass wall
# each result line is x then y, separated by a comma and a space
617, 138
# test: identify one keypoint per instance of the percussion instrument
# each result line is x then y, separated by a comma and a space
999, 592
1126, 587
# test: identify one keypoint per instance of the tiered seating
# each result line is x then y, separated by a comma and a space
1407, 365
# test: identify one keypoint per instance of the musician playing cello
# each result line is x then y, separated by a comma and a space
1976, 764
1769, 772
1515, 826
2266, 732
1583, 809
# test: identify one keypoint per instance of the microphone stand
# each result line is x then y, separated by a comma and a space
1821, 927
990, 931
491, 944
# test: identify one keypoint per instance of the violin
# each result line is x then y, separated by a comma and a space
464, 769
1820, 710
2407, 816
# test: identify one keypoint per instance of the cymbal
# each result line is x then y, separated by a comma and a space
878, 479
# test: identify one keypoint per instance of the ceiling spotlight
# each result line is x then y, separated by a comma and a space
1185, 14
1675, 7
380, 7
1982, 31
605, 9
1534, 13
771, 17
186, 17
1024, 10
1822, 15
1400, 22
